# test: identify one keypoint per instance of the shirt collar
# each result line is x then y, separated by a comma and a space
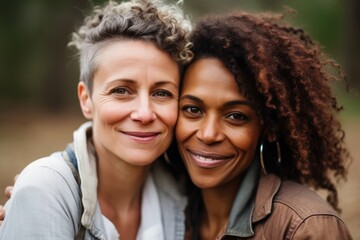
151, 227
240, 219
253, 201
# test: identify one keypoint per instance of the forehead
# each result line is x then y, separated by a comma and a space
209, 76
136, 60
128, 50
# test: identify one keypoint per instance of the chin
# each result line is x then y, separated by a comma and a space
141, 162
142, 159
204, 182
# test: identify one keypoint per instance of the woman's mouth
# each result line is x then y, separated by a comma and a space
209, 160
142, 137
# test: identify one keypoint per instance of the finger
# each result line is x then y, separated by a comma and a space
8, 191
2, 213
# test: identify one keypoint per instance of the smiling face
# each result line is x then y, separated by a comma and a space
133, 104
218, 128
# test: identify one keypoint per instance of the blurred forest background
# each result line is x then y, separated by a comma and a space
39, 74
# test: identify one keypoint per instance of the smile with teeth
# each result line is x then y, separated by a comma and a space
209, 160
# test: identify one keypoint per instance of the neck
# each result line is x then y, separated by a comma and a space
119, 191
120, 183
217, 207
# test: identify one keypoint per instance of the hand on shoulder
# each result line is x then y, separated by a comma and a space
7, 192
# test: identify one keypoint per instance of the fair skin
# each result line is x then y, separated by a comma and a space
218, 131
133, 107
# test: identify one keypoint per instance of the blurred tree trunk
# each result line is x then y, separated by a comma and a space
352, 44
55, 85
53, 88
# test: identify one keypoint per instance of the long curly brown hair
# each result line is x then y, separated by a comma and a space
283, 71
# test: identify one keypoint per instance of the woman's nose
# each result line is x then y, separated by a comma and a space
210, 131
143, 111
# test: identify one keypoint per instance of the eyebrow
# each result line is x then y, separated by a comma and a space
238, 102
130, 81
192, 98
123, 80
227, 104
165, 83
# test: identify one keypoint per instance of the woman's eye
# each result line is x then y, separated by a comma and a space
162, 93
120, 91
192, 110
237, 116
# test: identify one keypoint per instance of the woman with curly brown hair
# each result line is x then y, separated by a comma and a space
257, 96
106, 185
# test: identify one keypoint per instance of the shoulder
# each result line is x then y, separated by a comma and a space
299, 212
45, 196
53, 162
49, 180
302, 200
48, 173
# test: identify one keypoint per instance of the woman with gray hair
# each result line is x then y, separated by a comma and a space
106, 184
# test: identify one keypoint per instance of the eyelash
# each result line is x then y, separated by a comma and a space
243, 116
189, 110
167, 93
115, 91
126, 91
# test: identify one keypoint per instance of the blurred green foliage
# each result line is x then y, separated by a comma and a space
37, 69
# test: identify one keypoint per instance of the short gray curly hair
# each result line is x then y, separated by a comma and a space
148, 20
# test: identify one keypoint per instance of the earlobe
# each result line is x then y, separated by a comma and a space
85, 100
271, 137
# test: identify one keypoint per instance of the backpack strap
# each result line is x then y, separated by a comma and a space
70, 159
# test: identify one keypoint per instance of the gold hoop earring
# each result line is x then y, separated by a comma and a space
278, 152
262, 155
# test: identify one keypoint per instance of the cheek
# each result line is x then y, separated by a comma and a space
111, 112
184, 128
168, 114
180, 129
245, 140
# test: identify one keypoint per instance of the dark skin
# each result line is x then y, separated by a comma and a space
281, 70
217, 136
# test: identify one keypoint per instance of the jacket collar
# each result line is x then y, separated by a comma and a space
85, 155
268, 186
253, 201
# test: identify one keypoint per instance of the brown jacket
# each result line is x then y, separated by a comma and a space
287, 210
